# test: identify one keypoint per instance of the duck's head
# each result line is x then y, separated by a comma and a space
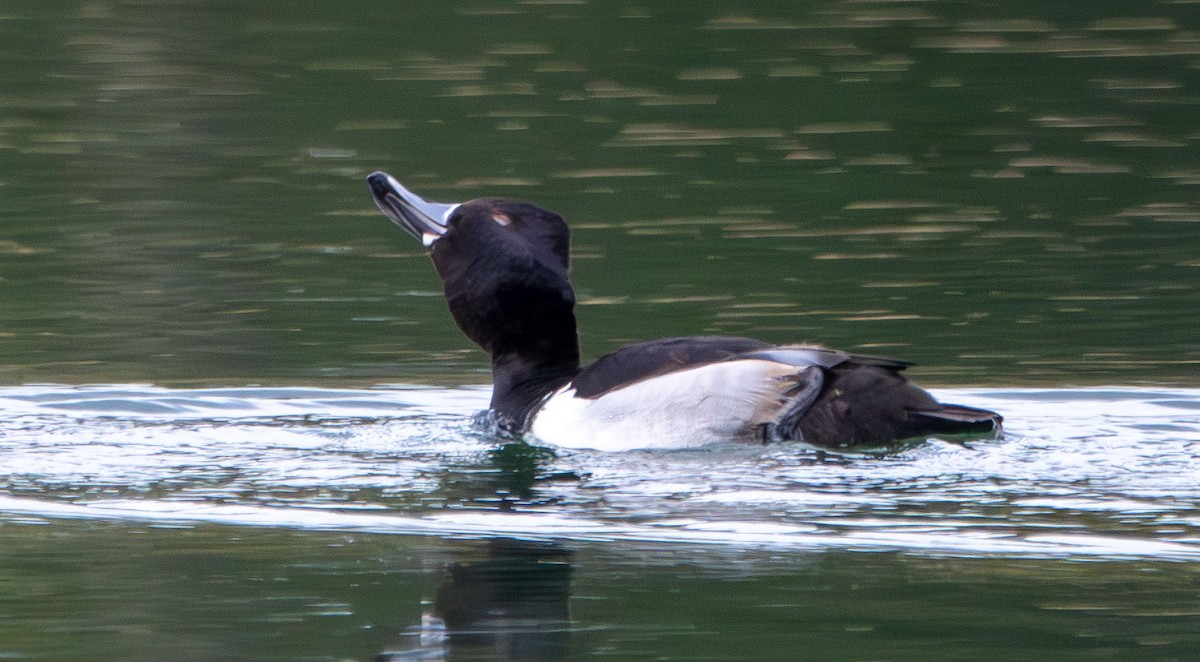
503, 266
492, 229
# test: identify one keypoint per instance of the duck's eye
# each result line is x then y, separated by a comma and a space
502, 219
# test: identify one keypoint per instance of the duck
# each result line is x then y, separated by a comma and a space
504, 266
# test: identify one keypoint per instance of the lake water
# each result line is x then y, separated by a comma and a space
306, 523
234, 412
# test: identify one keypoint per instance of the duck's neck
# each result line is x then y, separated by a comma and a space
521, 382
535, 350
521, 312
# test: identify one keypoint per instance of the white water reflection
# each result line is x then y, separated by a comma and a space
1092, 472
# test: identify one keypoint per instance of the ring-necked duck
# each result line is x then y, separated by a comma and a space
503, 266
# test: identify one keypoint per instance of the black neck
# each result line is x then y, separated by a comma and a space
519, 384
531, 337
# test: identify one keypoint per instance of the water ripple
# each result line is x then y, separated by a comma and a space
1079, 473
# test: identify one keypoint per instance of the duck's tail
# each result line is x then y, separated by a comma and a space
876, 404
957, 419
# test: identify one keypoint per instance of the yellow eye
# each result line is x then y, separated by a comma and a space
501, 218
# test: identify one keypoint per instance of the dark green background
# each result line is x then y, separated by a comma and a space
1005, 193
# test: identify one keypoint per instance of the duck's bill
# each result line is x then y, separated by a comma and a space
422, 219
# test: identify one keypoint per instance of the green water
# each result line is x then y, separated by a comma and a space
1007, 194
263, 595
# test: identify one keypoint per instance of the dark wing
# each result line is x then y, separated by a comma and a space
634, 363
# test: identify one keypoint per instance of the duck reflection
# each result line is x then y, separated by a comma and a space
507, 477
510, 605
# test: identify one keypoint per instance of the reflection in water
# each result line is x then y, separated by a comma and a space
1079, 473
511, 605
503, 477
284, 524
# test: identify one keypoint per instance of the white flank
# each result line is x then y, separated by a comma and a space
714, 402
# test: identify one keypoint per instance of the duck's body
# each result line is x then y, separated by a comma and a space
504, 266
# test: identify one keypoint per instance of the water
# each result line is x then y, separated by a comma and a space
185, 183
1078, 473
234, 411
307, 523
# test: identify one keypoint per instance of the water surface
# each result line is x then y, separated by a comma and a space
183, 200
335, 520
